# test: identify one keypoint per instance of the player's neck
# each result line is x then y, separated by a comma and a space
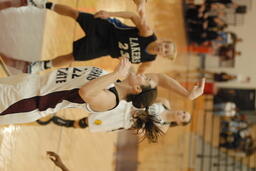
123, 90
151, 48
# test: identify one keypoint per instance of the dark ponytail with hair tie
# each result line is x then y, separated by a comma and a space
146, 125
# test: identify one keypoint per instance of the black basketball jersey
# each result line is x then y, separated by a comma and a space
126, 42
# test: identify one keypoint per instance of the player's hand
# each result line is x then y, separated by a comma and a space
102, 14
55, 158
198, 90
123, 68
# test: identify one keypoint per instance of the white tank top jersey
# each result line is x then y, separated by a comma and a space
28, 97
115, 119
119, 118
157, 109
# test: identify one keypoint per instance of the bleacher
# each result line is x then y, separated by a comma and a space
205, 154
208, 31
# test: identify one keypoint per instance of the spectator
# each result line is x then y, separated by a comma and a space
225, 109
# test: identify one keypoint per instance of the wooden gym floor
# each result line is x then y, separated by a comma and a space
23, 147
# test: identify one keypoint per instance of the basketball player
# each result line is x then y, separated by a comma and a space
108, 36
26, 98
157, 117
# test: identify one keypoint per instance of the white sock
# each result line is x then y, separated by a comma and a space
53, 5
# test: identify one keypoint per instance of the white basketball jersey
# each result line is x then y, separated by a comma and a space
120, 117
115, 119
28, 97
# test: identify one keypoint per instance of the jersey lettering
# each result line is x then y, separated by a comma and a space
64, 74
76, 73
61, 76
123, 46
124, 54
95, 73
134, 52
133, 42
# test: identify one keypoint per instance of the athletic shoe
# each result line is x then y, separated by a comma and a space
63, 122
35, 67
41, 122
37, 3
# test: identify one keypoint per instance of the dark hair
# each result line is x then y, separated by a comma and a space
144, 99
147, 126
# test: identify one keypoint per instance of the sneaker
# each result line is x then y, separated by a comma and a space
41, 122
35, 67
37, 3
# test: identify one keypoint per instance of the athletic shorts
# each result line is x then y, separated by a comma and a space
96, 41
